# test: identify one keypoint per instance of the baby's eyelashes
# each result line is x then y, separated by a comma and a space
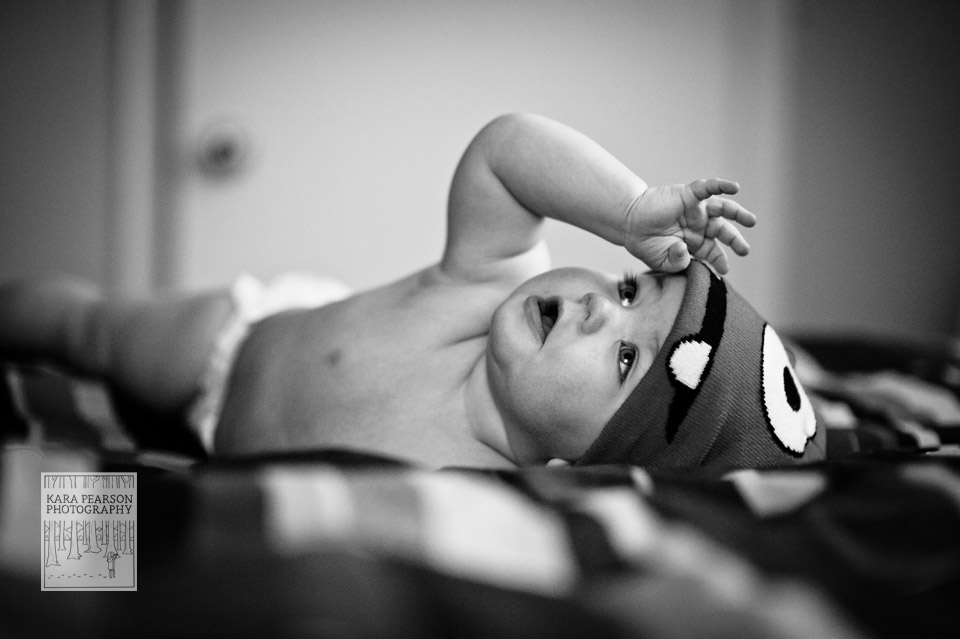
626, 358
628, 288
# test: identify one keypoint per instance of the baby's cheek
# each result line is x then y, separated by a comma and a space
553, 407
574, 418
533, 426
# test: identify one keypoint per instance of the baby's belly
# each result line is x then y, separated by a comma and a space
265, 402
316, 402
262, 423
252, 423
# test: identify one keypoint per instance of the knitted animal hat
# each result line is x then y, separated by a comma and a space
721, 393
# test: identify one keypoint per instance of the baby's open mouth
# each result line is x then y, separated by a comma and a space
549, 314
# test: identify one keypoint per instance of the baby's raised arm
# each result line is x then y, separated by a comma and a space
523, 168
153, 350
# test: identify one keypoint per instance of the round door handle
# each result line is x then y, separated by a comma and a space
224, 149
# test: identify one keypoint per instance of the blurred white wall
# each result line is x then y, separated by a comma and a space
832, 115
358, 112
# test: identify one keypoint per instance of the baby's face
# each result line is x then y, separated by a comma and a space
566, 349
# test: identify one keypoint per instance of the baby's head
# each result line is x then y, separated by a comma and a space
655, 370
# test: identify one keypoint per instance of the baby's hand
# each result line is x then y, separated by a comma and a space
668, 224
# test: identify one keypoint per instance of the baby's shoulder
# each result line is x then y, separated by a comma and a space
436, 288
427, 305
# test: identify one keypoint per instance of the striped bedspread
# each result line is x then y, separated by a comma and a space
344, 544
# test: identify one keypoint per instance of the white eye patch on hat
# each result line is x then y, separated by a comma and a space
788, 411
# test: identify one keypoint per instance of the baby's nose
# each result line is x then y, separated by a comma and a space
597, 312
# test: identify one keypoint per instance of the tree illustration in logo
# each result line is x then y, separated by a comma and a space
50, 543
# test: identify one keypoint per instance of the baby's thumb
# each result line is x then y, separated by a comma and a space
678, 258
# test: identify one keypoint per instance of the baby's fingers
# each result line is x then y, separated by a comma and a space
714, 254
703, 189
728, 234
721, 207
678, 258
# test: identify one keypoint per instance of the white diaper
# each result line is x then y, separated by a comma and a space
252, 301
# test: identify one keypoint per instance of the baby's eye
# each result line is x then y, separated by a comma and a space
626, 357
628, 289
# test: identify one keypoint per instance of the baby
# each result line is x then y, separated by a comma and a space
486, 359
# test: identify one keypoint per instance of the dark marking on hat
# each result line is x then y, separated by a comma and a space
692, 357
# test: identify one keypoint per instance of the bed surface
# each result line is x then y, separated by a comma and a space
339, 543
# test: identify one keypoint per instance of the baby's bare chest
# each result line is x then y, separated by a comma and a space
347, 375
376, 348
